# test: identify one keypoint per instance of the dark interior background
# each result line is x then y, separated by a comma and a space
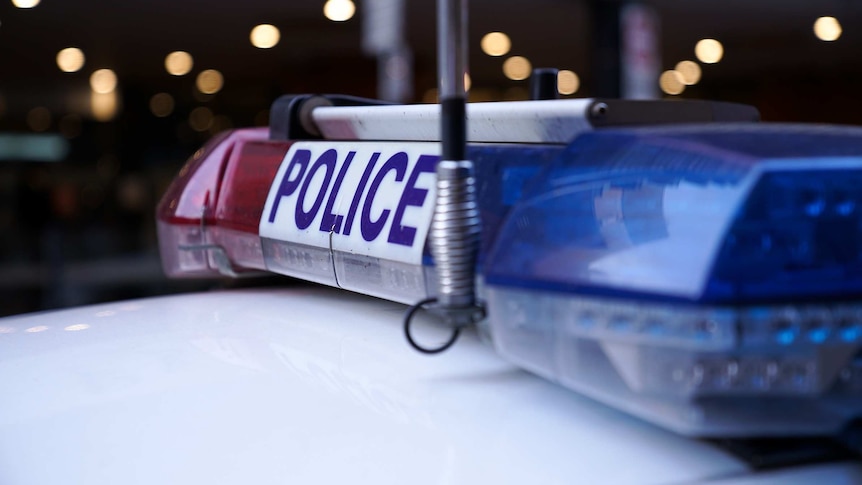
81, 229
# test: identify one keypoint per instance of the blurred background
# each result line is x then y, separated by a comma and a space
102, 101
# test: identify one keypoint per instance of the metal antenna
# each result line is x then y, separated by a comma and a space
454, 234
455, 226
451, 69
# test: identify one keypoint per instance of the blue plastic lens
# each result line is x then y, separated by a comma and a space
849, 331
797, 234
713, 214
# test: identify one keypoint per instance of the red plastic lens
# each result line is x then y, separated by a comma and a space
207, 220
247, 179
245, 186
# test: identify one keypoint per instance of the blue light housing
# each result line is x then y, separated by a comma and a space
705, 278
714, 214
797, 235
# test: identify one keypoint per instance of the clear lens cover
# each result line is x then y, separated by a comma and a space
382, 278
310, 263
711, 371
183, 251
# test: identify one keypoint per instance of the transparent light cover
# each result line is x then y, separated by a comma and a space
207, 220
706, 371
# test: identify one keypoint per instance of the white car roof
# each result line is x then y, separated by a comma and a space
304, 385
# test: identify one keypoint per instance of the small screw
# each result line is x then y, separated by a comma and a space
599, 110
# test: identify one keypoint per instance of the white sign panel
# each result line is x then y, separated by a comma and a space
374, 199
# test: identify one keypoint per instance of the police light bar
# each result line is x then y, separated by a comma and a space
705, 277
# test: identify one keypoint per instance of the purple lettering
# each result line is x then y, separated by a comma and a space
332, 222
357, 196
288, 185
326, 160
371, 229
412, 196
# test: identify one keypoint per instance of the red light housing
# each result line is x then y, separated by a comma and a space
247, 178
208, 218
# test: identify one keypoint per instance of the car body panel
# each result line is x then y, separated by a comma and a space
302, 384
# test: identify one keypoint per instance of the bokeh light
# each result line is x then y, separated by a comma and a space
709, 51
567, 82
264, 36
104, 106
162, 105
201, 118
517, 68
496, 44
827, 29
25, 3
339, 10
671, 82
179, 63
210, 81
690, 72
70, 59
103, 81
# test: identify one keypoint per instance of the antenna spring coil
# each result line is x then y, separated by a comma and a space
454, 235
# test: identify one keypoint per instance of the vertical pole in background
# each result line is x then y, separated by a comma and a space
626, 60
640, 56
383, 37
454, 234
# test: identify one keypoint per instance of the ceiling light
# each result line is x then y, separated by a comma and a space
178, 63
25, 3
567, 82
517, 68
827, 29
104, 106
103, 81
496, 44
690, 72
709, 51
70, 59
264, 36
671, 82
339, 10
210, 81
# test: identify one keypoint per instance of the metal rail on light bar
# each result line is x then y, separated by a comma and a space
549, 121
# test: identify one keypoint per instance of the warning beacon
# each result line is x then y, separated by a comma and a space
677, 260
